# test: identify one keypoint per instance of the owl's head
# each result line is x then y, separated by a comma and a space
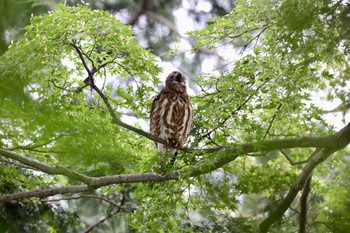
175, 77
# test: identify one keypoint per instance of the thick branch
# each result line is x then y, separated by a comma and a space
303, 205
53, 170
228, 154
40, 193
320, 155
94, 184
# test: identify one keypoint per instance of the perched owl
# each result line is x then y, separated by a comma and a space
171, 114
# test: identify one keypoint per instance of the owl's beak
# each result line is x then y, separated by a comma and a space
181, 83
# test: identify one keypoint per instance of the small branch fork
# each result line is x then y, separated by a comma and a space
265, 27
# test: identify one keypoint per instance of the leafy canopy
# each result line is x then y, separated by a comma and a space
288, 51
44, 105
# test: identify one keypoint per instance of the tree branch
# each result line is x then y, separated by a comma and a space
115, 119
290, 160
143, 8
272, 120
32, 144
80, 54
116, 211
320, 155
254, 38
89, 81
223, 157
40, 193
53, 170
91, 227
303, 205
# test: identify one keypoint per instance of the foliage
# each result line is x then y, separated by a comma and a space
47, 73
280, 74
76, 72
10, 26
43, 113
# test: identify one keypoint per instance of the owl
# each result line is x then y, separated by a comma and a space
172, 115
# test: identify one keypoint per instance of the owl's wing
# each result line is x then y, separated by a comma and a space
154, 102
155, 116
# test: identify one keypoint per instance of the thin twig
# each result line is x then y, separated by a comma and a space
91, 227
294, 210
234, 112
89, 81
18, 164
290, 160
117, 210
129, 73
30, 146
86, 196
272, 120
254, 38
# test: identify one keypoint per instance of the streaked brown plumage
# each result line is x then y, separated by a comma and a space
171, 114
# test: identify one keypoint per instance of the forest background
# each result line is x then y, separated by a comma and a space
269, 84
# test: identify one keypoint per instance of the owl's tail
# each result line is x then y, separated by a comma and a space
164, 149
